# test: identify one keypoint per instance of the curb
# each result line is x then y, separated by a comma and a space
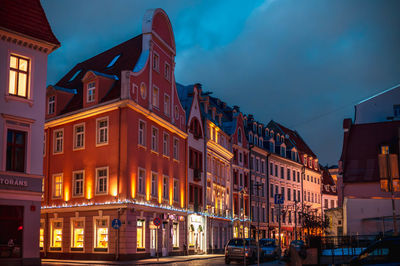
131, 262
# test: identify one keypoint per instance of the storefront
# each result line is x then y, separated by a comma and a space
196, 234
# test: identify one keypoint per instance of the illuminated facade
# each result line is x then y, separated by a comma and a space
116, 149
26, 40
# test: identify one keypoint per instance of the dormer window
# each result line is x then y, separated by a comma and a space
266, 132
51, 105
277, 137
271, 146
272, 134
255, 140
260, 130
283, 151
282, 139
91, 89
310, 162
305, 160
293, 155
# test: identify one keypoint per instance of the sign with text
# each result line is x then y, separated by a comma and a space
279, 199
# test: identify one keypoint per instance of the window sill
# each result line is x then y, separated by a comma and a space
155, 152
9, 97
77, 250
141, 249
100, 249
175, 160
101, 144
166, 156
54, 249
142, 146
78, 148
58, 153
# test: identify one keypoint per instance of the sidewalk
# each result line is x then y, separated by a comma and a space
162, 260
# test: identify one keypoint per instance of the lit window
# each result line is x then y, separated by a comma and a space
78, 183
384, 149
102, 180
102, 131
51, 105
19, 73
79, 136
41, 235
154, 184
175, 235
77, 234
155, 97
143, 90
142, 133
166, 144
176, 149
167, 72
156, 62
58, 141
91, 90
57, 185
167, 105
140, 229
154, 139
166, 187
15, 157
56, 226
141, 181
176, 192
101, 234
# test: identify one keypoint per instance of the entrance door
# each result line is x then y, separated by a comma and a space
153, 240
11, 231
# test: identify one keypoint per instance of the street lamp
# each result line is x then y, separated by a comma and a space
242, 191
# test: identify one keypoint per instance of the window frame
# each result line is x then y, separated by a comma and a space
167, 105
155, 97
155, 194
98, 130
142, 132
176, 148
97, 192
166, 146
154, 139
51, 105
156, 61
71, 247
75, 147
74, 195
90, 98
143, 192
52, 248
28, 92
95, 248
55, 141
53, 196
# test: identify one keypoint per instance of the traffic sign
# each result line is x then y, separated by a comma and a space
279, 199
116, 223
157, 221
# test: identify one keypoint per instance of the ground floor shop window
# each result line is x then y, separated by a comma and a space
77, 234
41, 235
56, 235
101, 234
175, 235
140, 229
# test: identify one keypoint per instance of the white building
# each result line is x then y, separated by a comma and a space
23, 67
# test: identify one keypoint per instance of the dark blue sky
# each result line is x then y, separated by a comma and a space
302, 63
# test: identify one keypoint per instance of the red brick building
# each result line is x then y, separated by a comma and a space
115, 148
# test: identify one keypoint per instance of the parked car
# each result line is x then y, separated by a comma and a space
235, 250
269, 248
382, 252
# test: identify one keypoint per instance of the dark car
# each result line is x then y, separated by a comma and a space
269, 249
382, 252
235, 250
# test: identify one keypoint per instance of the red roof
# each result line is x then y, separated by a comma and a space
299, 143
361, 148
129, 52
26, 17
327, 180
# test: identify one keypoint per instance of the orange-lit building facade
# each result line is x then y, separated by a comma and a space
116, 148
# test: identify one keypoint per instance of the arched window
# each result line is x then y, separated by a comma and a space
277, 137
271, 133
239, 135
266, 132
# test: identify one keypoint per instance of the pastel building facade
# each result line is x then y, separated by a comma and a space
115, 153
26, 39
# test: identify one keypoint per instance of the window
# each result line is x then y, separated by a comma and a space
290, 217
154, 139
142, 133
257, 164
308, 196
78, 180
326, 203
102, 180
283, 192
175, 235
176, 192
276, 170
289, 194
166, 144
166, 187
294, 195
57, 186
332, 204
143, 90
19, 74
271, 191
272, 214
141, 181
294, 175
41, 235
102, 131
101, 234
298, 195
140, 238
283, 151
167, 105
271, 146
156, 62
282, 172
271, 168
58, 141
176, 149
288, 174
77, 234
155, 97
79, 136
51, 105
154, 184
15, 160
239, 136
167, 71
56, 226
298, 177
91, 90
384, 149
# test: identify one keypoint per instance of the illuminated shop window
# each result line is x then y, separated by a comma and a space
56, 235
19, 74
77, 234
101, 234
41, 235
140, 229
175, 235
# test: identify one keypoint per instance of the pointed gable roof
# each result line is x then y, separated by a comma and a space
128, 51
27, 18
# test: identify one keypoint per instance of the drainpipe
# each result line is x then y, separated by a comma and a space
118, 178
268, 190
